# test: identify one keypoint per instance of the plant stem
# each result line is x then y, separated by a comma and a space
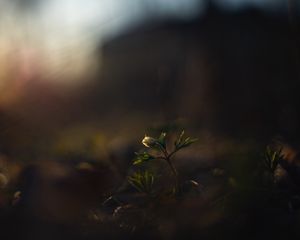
172, 167
167, 157
174, 171
165, 152
172, 153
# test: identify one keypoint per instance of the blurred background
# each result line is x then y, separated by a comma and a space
82, 81
226, 67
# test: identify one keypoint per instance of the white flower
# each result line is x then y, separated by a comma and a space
149, 141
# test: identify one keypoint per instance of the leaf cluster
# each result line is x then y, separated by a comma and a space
142, 181
159, 145
182, 142
142, 157
272, 157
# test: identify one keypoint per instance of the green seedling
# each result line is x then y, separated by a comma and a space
142, 181
272, 158
161, 151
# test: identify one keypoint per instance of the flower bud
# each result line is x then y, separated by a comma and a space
149, 141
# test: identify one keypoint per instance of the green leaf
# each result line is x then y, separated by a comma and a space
179, 139
142, 181
187, 142
180, 143
272, 158
162, 139
142, 157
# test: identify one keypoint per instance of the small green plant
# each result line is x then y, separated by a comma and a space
158, 149
271, 164
142, 181
272, 158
